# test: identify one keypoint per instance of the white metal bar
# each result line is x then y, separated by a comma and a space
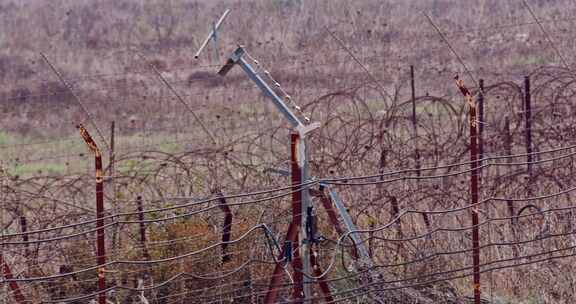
212, 33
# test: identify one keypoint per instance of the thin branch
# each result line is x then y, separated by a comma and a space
180, 99
451, 48
552, 44
376, 81
69, 88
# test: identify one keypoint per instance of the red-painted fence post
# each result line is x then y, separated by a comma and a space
473, 123
100, 231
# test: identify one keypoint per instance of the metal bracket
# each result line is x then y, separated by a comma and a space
288, 254
303, 130
281, 172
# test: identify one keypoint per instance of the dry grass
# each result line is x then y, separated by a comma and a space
162, 152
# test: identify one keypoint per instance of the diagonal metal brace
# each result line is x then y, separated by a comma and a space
364, 261
237, 58
363, 252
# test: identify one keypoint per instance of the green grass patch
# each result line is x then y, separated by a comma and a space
37, 168
12, 139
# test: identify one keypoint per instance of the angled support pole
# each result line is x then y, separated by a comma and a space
363, 253
237, 58
328, 205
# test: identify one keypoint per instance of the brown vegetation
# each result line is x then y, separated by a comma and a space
163, 156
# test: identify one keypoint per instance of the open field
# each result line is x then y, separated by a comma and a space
202, 191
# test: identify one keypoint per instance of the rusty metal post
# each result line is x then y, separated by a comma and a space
227, 227
394, 213
371, 241
481, 120
293, 234
142, 227
415, 135
528, 122
100, 233
473, 123
382, 161
510, 203
111, 166
116, 232
298, 291
414, 121
7, 274
112, 157
24, 230
508, 147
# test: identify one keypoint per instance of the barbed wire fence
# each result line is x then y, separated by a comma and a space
198, 223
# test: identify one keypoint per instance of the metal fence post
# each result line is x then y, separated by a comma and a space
227, 226
297, 218
528, 122
473, 123
24, 229
414, 121
481, 121
510, 203
100, 233
142, 227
